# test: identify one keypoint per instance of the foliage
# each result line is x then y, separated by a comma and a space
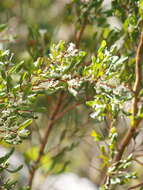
8, 184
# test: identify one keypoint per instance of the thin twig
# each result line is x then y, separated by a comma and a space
138, 161
61, 114
135, 186
139, 155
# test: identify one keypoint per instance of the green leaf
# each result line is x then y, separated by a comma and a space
115, 181
3, 74
6, 157
97, 137
64, 167
3, 27
31, 154
25, 124
23, 133
15, 170
103, 44
16, 67
23, 76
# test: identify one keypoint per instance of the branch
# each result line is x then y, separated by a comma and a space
45, 139
55, 116
138, 155
138, 161
136, 186
136, 89
79, 34
61, 114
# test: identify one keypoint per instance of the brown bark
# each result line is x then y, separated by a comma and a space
45, 139
136, 89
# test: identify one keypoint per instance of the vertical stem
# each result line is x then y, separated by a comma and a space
45, 139
137, 86
134, 122
79, 34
